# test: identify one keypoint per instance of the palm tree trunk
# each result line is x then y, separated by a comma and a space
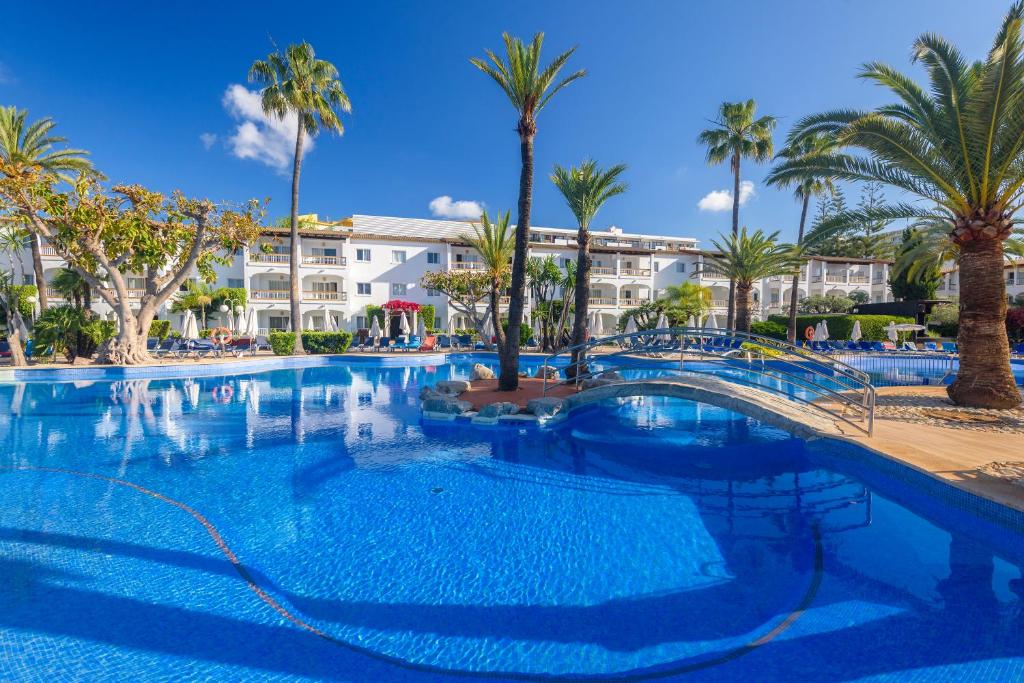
794, 294
293, 260
731, 318
14, 339
743, 290
583, 263
37, 268
87, 297
985, 379
499, 336
508, 380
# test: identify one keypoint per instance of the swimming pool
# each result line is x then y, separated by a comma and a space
305, 524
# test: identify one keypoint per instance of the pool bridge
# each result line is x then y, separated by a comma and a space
776, 382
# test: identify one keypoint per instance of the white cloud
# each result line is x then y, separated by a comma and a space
445, 207
721, 200
266, 139
208, 139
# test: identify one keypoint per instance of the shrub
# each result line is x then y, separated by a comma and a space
160, 328
23, 292
770, 328
872, 327
524, 332
945, 319
282, 343
205, 332
323, 342
828, 303
427, 313
761, 350
71, 331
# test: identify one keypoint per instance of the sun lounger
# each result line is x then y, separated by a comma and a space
444, 342
949, 347
931, 346
908, 346
429, 344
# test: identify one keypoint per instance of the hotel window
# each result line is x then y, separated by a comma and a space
280, 249
277, 322
437, 322
433, 257
398, 289
28, 279
278, 285
657, 266
361, 322
363, 288
680, 267
323, 251
363, 255
236, 283
432, 292
566, 262
397, 256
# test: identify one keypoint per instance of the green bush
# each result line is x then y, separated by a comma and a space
323, 342
71, 331
770, 328
373, 311
282, 343
524, 332
945, 319
872, 327
160, 328
427, 312
22, 293
205, 332
236, 295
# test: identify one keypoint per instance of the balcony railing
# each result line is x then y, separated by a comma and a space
48, 250
270, 294
136, 293
467, 265
324, 295
834, 279
601, 301
260, 257
324, 260
504, 300
859, 279
602, 270
632, 302
720, 303
635, 272
53, 293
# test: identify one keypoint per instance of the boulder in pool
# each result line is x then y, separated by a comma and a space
452, 387
446, 405
547, 406
498, 409
546, 371
481, 371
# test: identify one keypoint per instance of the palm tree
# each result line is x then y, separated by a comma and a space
198, 298
807, 147
687, 300
746, 258
529, 88
29, 148
73, 287
495, 244
737, 135
958, 145
585, 188
298, 83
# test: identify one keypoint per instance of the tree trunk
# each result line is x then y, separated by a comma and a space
731, 317
37, 268
743, 305
14, 338
583, 264
794, 297
508, 353
87, 297
129, 346
495, 305
985, 379
293, 261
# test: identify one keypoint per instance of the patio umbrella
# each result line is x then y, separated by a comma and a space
403, 324
692, 323
421, 329
375, 328
662, 324
329, 325
412, 322
252, 327
711, 323
189, 327
855, 333
229, 321
891, 332
22, 328
630, 326
824, 332
538, 329
487, 332
451, 326
598, 329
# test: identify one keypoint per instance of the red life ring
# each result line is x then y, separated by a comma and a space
223, 393
809, 332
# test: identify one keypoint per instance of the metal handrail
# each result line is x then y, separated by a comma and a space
797, 367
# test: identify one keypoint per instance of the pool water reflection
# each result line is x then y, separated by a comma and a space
643, 537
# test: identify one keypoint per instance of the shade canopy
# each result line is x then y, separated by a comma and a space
597, 329
403, 324
375, 328
855, 333
661, 325
711, 323
630, 326
189, 327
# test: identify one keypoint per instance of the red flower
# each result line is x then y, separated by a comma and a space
401, 306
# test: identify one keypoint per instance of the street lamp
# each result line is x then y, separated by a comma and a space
235, 305
32, 299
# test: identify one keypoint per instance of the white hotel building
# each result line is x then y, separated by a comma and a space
362, 260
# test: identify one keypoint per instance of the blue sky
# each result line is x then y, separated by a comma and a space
146, 89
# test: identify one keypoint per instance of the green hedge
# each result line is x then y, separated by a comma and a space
23, 292
872, 327
160, 328
770, 328
325, 342
524, 332
282, 343
373, 311
427, 312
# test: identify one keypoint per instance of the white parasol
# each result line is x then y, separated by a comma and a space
855, 333
189, 327
403, 324
630, 326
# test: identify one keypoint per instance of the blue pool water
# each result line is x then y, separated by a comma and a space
306, 525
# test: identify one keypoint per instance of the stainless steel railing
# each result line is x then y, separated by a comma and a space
816, 380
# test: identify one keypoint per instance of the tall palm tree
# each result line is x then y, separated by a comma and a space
298, 83
73, 287
585, 188
496, 244
737, 135
807, 148
958, 145
746, 258
30, 148
687, 300
529, 87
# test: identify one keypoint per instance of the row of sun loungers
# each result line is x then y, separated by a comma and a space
174, 347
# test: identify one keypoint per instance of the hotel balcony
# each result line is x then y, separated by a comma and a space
604, 302
720, 303
310, 260
323, 295
49, 252
859, 279
835, 279
466, 265
269, 295
630, 303
634, 272
260, 257
603, 271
